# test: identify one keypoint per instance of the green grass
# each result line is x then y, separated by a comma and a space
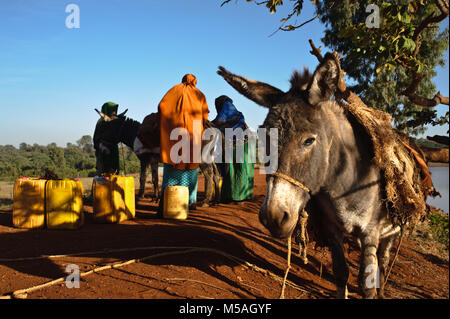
431, 235
438, 222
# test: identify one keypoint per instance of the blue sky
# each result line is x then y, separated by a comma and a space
131, 52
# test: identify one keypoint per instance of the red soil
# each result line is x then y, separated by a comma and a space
232, 229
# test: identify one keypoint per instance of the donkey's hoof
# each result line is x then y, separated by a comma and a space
342, 293
204, 204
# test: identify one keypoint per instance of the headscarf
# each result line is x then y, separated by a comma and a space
220, 101
227, 115
109, 108
180, 107
189, 79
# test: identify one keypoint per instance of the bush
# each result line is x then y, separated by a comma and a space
439, 226
32, 160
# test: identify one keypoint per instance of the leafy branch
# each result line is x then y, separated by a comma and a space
398, 41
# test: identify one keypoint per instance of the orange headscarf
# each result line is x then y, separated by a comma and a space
180, 107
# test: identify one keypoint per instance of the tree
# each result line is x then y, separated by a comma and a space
392, 64
24, 147
86, 144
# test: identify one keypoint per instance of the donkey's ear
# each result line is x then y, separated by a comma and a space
324, 81
104, 116
259, 92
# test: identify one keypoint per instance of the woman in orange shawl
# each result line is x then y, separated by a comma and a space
183, 111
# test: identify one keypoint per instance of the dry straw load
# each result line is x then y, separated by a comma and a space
406, 176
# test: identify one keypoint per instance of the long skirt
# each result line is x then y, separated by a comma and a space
238, 178
177, 177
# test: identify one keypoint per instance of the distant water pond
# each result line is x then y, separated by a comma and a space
440, 179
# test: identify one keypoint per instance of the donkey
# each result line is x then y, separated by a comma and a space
125, 130
325, 162
122, 129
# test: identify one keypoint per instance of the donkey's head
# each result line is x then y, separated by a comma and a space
304, 138
115, 129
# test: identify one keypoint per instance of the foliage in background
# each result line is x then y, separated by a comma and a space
128, 161
430, 144
74, 160
390, 67
384, 62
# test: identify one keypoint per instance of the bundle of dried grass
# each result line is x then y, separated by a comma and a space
407, 179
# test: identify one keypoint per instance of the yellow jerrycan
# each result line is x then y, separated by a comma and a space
29, 203
176, 202
114, 199
64, 204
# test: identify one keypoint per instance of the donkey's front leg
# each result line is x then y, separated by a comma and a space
216, 181
383, 260
208, 174
369, 279
142, 177
154, 162
340, 267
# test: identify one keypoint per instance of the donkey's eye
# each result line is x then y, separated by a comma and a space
309, 141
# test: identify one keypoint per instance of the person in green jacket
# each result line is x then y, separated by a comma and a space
107, 161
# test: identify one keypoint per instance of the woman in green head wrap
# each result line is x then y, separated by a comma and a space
106, 163
110, 108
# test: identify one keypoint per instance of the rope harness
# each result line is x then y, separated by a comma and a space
291, 180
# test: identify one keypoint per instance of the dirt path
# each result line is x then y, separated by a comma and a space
228, 229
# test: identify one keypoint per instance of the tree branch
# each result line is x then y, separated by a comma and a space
225, 2
291, 28
316, 51
426, 23
341, 86
416, 78
443, 6
410, 91
422, 101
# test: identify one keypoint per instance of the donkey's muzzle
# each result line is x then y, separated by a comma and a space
279, 212
262, 218
279, 223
